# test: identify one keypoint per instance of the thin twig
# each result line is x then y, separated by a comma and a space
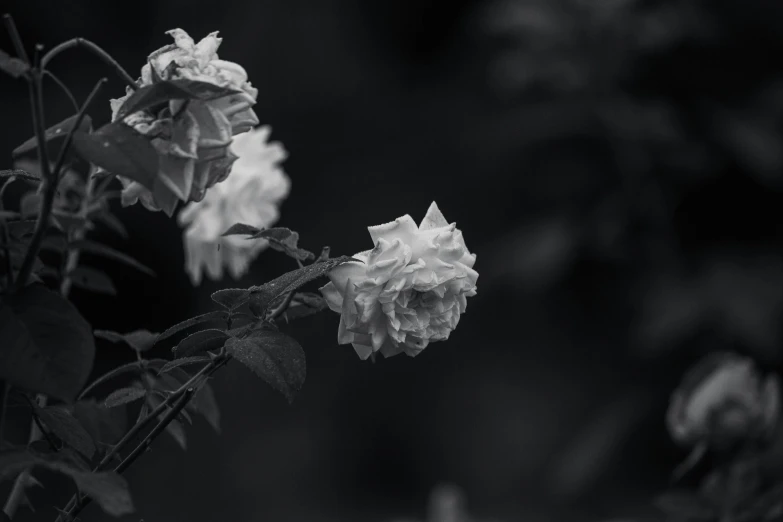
72, 259
79, 118
64, 88
37, 57
49, 184
4, 406
100, 53
6, 249
10, 26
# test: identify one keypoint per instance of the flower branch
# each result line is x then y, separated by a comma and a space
175, 403
93, 48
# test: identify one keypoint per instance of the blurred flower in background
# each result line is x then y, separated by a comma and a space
722, 400
447, 503
192, 137
250, 195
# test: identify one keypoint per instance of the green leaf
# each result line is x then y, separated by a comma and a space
107, 488
47, 346
112, 222
204, 402
684, 505
20, 174
231, 298
304, 304
57, 244
21, 228
168, 383
12, 66
99, 249
241, 229
67, 221
63, 424
280, 238
93, 280
174, 428
183, 416
177, 432
54, 136
124, 396
176, 363
103, 424
139, 340
13, 462
161, 92
275, 357
218, 315
119, 149
200, 342
119, 370
262, 296
286, 241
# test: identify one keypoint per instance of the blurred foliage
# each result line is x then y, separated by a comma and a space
656, 169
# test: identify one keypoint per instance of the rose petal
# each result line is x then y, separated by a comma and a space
433, 219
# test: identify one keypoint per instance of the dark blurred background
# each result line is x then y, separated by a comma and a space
615, 164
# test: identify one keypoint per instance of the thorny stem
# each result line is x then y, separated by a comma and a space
281, 308
175, 403
100, 53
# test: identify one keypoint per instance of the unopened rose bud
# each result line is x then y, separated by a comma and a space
724, 399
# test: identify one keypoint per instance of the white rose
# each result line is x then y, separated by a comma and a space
194, 147
723, 399
250, 195
409, 291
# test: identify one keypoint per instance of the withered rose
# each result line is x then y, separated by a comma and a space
192, 138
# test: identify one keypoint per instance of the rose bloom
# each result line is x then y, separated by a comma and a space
194, 144
409, 290
250, 195
722, 400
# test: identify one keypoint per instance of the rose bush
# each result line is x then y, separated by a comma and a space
724, 399
408, 291
251, 194
192, 138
